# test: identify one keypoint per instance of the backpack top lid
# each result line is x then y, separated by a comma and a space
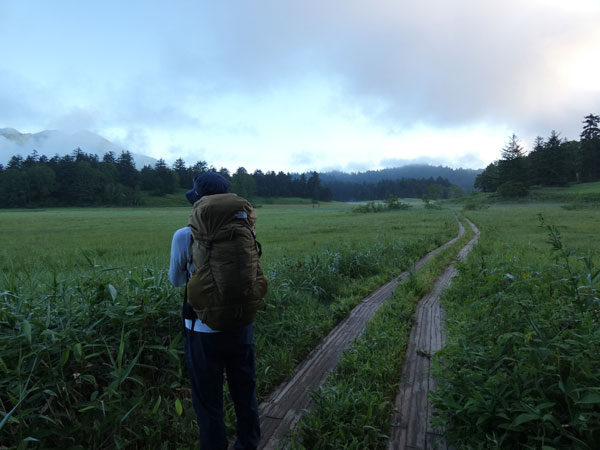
208, 183
212, 213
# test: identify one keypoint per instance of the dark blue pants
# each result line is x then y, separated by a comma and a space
208, 356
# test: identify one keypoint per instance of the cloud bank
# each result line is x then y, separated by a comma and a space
303, 83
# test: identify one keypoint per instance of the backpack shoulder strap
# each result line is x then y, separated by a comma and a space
190, 256
187, 312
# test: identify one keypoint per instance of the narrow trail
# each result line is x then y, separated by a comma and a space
411, 428
280, 412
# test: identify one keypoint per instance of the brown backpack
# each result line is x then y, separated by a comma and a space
228, 283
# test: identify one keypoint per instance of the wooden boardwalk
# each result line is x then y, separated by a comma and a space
280, 412
411, 423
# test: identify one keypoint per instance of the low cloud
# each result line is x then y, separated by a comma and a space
467, 161
303, 159
399, 162
444, 64
8, 149
526, 65
470, 160
75, 120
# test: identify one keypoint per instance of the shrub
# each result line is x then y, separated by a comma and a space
369, 207
513, 189
393, 203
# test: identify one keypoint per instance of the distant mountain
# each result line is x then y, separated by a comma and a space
465, 178
52, 142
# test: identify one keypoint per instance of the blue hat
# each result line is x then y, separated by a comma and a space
208, 183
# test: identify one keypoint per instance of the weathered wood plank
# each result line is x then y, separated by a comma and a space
411, 421
280, 412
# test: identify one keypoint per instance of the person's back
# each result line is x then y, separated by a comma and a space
210, 352
228, 283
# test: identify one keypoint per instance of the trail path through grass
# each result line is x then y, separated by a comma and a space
411, 427
283, 408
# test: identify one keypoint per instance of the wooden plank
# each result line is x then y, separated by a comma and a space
283, 408
411, 421
280, 412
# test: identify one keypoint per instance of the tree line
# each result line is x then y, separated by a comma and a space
83, 179
552, 162
438, 188
464, 178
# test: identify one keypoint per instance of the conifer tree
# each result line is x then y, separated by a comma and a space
512, 165
590, 148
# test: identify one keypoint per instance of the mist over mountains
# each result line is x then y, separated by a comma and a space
465, 178
55, 142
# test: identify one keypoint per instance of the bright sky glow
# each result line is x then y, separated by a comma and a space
302, 85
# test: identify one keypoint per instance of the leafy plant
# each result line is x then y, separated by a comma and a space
522, 367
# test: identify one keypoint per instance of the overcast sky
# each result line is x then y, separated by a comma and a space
303, 85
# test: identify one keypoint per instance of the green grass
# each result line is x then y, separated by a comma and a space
517, 227
60, 240
90, 342
90, 331
287, 231
50, 241
286, 201
353, 409
575, 189
575, 193
176, 199
574, 196
521, 368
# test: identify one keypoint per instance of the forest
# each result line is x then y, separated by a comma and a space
83, 179
552, 162
464, 178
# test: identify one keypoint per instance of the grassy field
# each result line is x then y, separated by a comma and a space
522, 365
90, 342
90, 331
575, 196
62, 240
576, 193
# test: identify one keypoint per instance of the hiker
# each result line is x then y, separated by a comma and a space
219, 340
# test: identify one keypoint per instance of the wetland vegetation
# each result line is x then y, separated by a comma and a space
91, 333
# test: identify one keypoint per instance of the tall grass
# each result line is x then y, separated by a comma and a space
85, 365
353, 409
43, 242
91, 351
309, 296
577, 193
522, 365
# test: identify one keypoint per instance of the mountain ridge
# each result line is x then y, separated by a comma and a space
465, 178
57, 142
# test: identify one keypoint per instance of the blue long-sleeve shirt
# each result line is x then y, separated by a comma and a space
179, 268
